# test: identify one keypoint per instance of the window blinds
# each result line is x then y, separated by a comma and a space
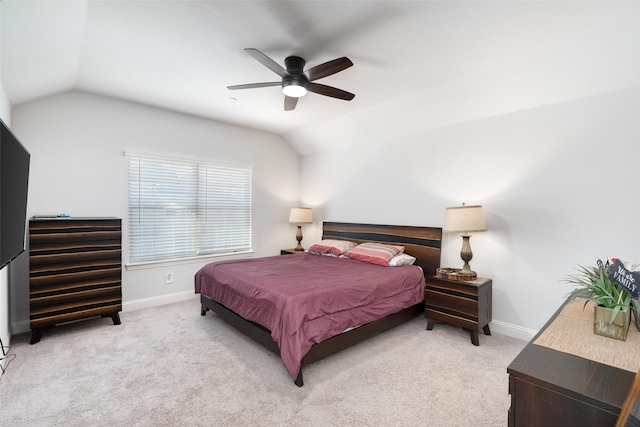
182, 209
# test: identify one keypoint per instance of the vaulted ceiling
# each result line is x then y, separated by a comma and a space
182, 55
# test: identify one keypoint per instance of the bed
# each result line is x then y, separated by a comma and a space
289, 303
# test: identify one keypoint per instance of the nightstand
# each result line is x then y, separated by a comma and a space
461, 303
290, 252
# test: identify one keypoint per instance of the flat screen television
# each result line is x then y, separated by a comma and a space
14, 183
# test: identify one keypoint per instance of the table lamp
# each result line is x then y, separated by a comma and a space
300, 216
465, 219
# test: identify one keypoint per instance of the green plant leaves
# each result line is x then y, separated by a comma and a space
596, 284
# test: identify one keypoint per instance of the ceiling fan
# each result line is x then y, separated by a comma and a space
296, 81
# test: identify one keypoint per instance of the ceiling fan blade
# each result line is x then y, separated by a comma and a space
290, 103
330, 91
267, 62
254, 85
328, 68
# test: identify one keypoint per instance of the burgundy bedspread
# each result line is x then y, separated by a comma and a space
305, 299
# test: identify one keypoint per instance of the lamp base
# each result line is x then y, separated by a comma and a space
466, 255
466, 269
299, 248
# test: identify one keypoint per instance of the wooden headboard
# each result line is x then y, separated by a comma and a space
424, 243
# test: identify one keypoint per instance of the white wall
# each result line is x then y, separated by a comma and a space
559, 185
77, 143
548, 144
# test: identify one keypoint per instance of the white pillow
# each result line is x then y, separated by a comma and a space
402, 259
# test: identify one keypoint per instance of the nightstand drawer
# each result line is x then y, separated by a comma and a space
452, 317
466, 304
452, 302
454, 288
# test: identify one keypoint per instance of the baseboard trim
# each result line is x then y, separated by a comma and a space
20, 327
23, 326
513, 331
159, 300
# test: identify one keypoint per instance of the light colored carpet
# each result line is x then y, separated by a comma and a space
168, 365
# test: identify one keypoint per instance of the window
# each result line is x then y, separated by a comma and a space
184, 209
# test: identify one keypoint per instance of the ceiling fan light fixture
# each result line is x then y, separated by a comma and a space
293, 89
296, 82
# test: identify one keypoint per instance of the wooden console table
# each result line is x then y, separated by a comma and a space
554, 388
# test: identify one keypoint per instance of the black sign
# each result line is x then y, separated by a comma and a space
625, 279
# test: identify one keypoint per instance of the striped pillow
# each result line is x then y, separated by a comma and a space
331, 247
374, 253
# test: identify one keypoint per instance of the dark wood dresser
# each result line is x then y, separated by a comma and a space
554, 388
75, 270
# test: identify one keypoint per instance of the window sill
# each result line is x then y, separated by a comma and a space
191, 260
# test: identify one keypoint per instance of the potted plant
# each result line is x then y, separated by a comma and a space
612, 312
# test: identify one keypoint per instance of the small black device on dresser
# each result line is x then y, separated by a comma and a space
464, 303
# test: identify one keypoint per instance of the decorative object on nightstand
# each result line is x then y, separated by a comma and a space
300, 216
465, 219
464, 303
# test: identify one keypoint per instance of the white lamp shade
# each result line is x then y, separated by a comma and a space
300, 216
464, 219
